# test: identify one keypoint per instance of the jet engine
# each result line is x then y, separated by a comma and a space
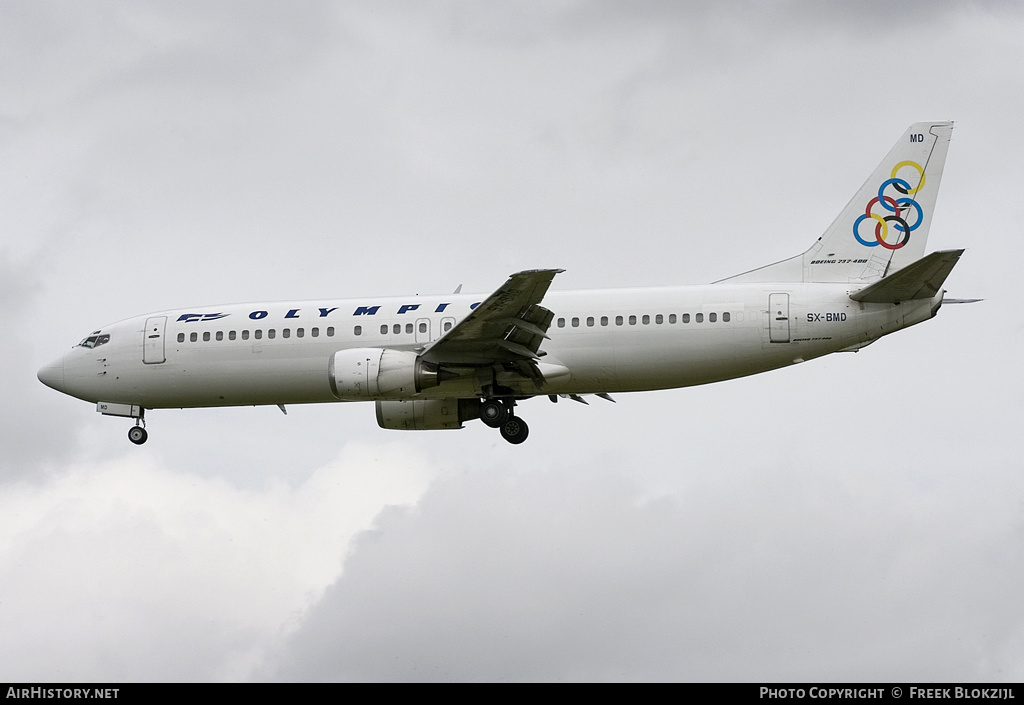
369, 373
426, 414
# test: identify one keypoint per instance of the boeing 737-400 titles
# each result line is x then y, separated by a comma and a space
435, 362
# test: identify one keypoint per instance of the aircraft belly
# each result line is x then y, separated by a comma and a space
232, 382
661, 360
591, 367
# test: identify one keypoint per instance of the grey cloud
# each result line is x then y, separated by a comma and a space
566, 575
28, 443
127, 569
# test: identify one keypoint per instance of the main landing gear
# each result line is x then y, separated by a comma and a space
515, 430
499, 414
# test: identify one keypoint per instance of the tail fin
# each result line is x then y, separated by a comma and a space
885, 226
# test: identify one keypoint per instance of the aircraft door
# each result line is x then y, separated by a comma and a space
778, 318
153, 340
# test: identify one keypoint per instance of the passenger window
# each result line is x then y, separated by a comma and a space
206, 337
423, 327
193, 337
686, 318
231, 335
245, 335
358, 330
314, 332
725, 317
590, 321
300, 332
632, 320
220, 335
447, 326
330, 331
408, 327
258, 334
181, 337
397, 328
384, 329
286, 333
604, 320
561, 323
271, 334
699, 318
646, 320
671, 318
659, 319
575, 322
618, 320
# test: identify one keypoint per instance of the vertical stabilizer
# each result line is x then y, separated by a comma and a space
885, 226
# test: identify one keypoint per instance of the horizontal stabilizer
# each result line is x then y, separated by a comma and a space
921, 280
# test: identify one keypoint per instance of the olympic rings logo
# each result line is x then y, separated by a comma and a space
894, 210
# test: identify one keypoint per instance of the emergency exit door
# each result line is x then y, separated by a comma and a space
423, 330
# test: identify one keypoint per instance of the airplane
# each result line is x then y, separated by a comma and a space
435, 362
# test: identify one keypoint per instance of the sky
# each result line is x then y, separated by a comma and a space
855, 518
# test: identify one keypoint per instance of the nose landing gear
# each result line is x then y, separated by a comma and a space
137, 435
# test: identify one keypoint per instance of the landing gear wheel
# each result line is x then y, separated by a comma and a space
137, 435
493, 413
515, 430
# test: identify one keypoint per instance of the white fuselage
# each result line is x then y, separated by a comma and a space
609, 341
433, 362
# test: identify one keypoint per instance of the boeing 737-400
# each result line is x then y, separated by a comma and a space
434, 362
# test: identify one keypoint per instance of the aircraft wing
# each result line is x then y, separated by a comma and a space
507, 327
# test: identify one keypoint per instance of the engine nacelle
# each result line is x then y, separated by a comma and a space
426, 414
370, 373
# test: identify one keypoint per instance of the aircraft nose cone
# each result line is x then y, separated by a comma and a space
53, 375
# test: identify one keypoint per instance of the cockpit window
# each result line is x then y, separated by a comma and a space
95, 340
